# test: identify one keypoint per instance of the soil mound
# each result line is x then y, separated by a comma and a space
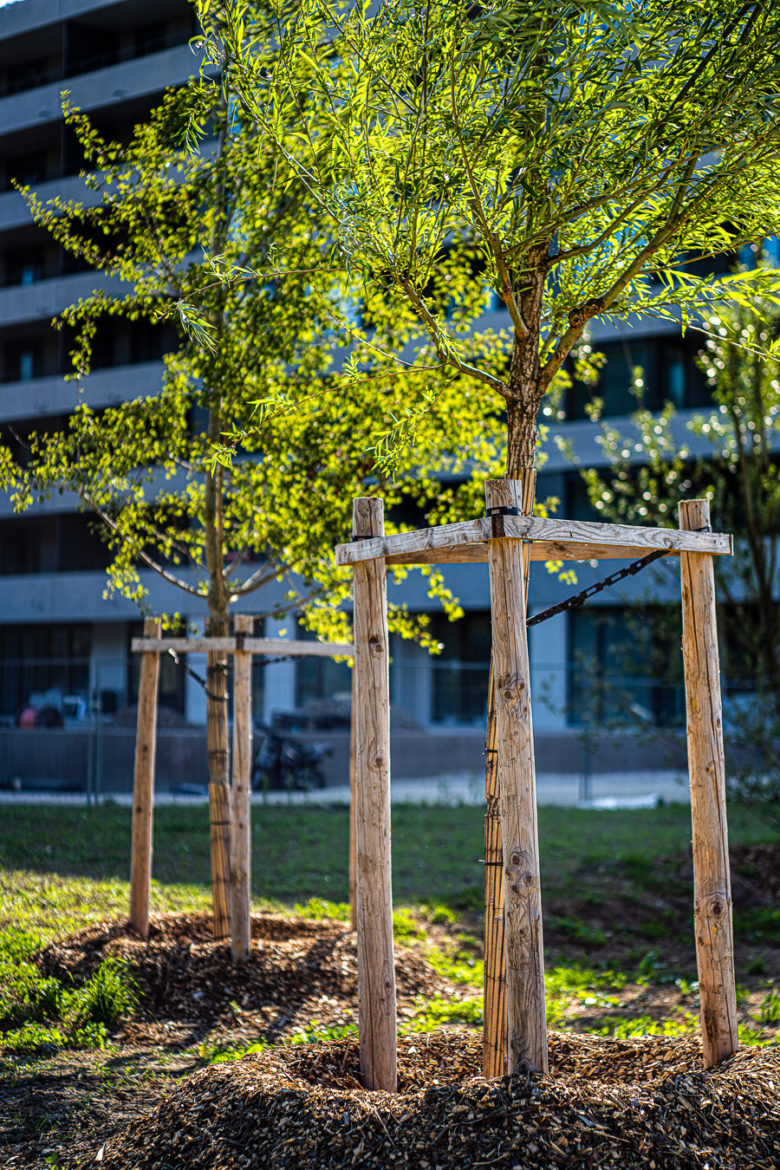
625, 1103
299, 971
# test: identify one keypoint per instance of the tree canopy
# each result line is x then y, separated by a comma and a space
266, 369
586, 149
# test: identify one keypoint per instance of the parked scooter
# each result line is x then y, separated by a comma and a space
283, 762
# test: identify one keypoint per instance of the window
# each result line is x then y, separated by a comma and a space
625, 666
39, 664
668, 368
460, 672
171, 692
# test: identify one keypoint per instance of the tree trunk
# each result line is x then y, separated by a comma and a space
219, 777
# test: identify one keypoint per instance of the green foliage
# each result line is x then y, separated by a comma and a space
322, 908
406, 927
727, 454
236, 476
317, 1033
38, 1011
437, 1012
626, 1027
582, 152
769, 1011
108, 996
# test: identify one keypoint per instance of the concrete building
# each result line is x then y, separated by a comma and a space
58, 635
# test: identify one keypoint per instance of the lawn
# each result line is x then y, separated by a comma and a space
617, 897
61, 867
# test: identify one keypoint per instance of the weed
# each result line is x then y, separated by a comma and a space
760, 924
223, 1051
406, 928
109, 996
754, 1037
315, 1032
624, 1027
440, 915
650, 969
769, 1011
322, 908
583, 932
435, 1012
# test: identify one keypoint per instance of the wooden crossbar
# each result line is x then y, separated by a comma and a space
553, 540
281, 646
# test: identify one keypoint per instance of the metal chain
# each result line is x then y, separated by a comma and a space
181, 661
580, 598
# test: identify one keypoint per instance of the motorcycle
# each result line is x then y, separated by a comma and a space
283, 762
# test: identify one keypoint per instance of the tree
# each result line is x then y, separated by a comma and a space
584, 148
255, 373
728, 453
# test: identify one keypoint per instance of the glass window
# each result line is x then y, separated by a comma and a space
461, 671
40, 664
625, 666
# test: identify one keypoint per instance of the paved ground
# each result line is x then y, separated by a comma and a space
605, 791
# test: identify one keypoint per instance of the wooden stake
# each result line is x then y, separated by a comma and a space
240, 841
352, 809
494, 1036
376, 970
143, 784
706, 767
219, 790
526, 1018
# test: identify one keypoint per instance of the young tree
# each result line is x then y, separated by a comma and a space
583, 146
729, 453
254, 374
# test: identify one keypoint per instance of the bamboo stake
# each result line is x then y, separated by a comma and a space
376, 970
706, 766
240, 841
526, 1019
143, 784
352, 808
494, 1036
219, 791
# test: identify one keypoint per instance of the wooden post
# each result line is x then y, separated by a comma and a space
526, 1017
376, 970
494, 1042
706, 768
352, 808
219, 789
240, 841
143, 783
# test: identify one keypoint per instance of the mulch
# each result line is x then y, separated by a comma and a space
298, 971
605, 1103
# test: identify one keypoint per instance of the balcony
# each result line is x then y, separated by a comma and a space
14, 212
103, 87
42, 397
44, 299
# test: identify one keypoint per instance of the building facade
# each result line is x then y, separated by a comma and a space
62, 643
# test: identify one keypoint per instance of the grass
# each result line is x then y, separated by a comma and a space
61, 868
42, 1013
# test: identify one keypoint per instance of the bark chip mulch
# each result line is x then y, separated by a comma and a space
298, 971
621, 1103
